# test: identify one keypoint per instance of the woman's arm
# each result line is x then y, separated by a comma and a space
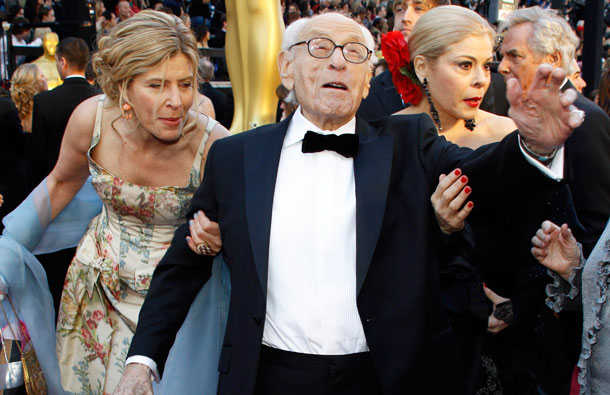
72, 169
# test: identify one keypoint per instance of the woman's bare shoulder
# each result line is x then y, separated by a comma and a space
496, 125
82, 120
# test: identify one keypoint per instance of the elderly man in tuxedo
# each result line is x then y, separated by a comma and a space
327, 231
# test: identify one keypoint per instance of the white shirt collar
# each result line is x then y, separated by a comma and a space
299, 125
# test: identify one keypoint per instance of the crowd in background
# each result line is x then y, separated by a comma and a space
208, 21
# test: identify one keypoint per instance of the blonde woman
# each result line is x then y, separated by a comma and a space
145, 147
27, 81
450, 51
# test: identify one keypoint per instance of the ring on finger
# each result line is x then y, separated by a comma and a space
203, 248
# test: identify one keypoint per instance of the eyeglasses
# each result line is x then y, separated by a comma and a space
323, 48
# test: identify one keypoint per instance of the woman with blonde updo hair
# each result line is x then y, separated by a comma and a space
451, 51
144, 147
26, 81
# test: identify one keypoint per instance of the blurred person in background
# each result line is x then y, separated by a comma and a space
603, 99
45, 14
27, 80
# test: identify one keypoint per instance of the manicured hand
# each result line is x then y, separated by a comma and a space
448, 201
206, 232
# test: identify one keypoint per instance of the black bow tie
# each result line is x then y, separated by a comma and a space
345, 144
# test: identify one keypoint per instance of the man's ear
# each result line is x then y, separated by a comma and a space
367, 84
554, 59
285, 65
420, 66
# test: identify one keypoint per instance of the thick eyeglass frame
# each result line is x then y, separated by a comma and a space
330, 53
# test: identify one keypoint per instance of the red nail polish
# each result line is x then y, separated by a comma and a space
470, 204
484, 286
457, 172
464, 179
467, 190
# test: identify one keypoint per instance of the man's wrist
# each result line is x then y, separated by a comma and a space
537, 153
142, 361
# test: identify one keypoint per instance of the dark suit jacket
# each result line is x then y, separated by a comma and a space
407, 331
588, 170
50, 115
12, 164
384, 100
220, 102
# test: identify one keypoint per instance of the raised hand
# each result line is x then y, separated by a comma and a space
556, 248
544, 115
448, 201
205, 235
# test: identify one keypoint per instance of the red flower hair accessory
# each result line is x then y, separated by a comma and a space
395, 51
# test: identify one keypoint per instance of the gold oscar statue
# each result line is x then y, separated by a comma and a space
47, 61
254, 39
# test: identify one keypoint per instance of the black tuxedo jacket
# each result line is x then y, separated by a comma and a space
407, 331
52, 110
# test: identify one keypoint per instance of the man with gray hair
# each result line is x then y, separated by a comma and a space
328, 233
531, 37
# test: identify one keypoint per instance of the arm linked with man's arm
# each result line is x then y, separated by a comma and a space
175, 283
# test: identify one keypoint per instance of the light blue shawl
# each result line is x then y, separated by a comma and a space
28, 230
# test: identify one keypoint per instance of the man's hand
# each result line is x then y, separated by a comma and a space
556, 248
494, 324
135, 381
544, 115
448, 201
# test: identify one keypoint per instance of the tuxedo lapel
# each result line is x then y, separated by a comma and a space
261, 159
372, 167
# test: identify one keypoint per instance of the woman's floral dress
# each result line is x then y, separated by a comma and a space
108, 279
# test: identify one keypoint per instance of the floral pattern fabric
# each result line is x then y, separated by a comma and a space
110, 274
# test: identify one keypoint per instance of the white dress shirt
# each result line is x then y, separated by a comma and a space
311, 285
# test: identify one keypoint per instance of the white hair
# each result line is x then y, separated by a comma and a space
550, 33
292, 35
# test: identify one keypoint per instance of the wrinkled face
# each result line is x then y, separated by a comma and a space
519, 61
460, 77
50, 42
328, 90
407, 13
41, 85
162, 97
124, 10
